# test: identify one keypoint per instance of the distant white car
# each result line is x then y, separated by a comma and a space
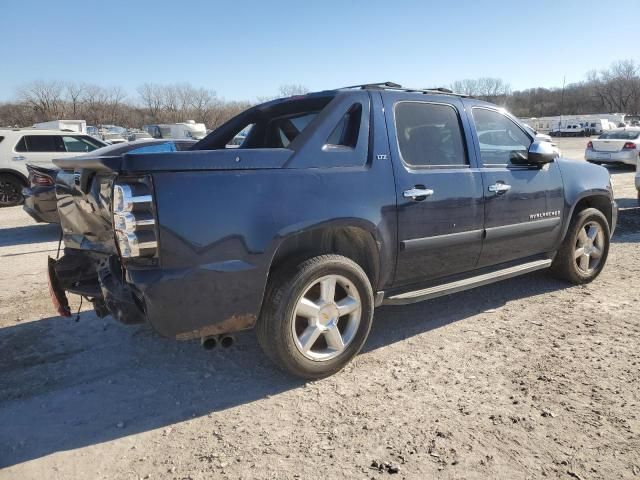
35, 146
621, 145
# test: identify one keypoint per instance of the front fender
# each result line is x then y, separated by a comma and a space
586, 184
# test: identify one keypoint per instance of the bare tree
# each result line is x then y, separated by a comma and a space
152, 99
203, 103
468, 87
292, 90
73, 96
44, 97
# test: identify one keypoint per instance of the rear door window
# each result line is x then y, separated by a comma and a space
429, 135
40, 143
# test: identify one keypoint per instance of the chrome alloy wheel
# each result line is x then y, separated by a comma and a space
590, 246
326, 317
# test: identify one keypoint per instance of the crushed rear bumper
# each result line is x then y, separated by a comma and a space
100, 279
178, 303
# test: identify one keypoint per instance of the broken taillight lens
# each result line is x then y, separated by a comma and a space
40, 180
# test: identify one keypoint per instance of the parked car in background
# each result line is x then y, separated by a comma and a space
134, 134
335, 202
40, 195
621, 145
569, 130
37, 147
189, 130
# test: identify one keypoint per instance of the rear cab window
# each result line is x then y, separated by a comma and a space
429, 135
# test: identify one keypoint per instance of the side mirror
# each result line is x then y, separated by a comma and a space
541, 153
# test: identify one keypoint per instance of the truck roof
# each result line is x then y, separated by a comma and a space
397, 87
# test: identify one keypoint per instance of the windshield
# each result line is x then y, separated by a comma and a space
621, 135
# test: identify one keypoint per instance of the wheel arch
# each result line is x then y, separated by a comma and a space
599, 201
355, 242
14, 173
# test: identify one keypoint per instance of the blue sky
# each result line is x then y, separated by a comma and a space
247, 49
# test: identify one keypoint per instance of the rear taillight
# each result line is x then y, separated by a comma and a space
629, 146
590, 146
40, 180
133, 218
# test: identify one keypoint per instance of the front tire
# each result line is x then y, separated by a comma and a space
316, 316
585, 248
10, 191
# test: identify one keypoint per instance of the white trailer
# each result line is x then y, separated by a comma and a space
79, 126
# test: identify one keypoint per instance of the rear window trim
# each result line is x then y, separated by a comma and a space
409, 167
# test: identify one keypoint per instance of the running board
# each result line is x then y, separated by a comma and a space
466, 284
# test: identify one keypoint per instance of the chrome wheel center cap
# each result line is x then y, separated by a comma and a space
328, 315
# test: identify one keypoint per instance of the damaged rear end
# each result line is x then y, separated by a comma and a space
107, 221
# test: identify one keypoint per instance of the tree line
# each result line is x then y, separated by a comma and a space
615, 89
41, 101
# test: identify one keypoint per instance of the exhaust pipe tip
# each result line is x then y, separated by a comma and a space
209, 343
227, 341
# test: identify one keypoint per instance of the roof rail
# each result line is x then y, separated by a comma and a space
398, 87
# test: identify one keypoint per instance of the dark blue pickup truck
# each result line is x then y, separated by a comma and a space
334, 203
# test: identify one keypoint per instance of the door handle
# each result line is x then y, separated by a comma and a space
18, 158
415, 193
499, 188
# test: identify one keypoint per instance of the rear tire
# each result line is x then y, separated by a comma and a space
316, 316
585, 248
10, 190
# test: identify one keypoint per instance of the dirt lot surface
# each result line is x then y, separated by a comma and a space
529, 378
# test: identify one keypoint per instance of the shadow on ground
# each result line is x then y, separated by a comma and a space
42, 232
66, 385
628, 228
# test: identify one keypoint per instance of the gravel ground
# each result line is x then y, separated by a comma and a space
530, 378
